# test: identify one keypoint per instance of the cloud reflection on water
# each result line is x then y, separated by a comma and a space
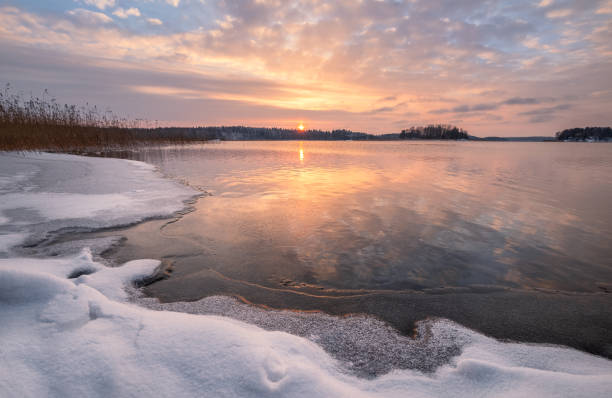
351, 215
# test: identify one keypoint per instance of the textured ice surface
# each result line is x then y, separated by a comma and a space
68, 329
366, 346
41, 193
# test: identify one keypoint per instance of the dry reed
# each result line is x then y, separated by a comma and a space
41, 123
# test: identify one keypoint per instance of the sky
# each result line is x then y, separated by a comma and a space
492, 67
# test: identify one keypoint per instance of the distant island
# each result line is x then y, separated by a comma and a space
434, 132
589, 134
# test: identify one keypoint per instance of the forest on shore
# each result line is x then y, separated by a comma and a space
585, 134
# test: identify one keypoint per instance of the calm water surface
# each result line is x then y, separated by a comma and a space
353, 216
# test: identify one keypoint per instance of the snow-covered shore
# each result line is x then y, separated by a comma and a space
68, 329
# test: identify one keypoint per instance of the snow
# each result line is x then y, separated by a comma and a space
68, 328
42, 193
78, 337
9, 240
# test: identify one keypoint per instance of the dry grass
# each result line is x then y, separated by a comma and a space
43, 124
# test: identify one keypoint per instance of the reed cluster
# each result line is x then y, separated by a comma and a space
41, 123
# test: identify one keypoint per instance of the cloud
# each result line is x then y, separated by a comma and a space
546, 111
483, 107
560, 13
439, 111
100, 4
521, 101
531, 42
605, 8
383, 109
154, 21
543, 115
174, 3
122, 13
87, 17
467, 108
494, 105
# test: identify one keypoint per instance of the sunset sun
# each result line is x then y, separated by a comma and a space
301, 127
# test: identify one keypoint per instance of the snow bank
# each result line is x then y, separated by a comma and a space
68, 330
78, 337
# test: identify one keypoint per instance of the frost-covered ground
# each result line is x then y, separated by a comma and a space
68, 329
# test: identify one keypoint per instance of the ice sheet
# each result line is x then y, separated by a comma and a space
42, 193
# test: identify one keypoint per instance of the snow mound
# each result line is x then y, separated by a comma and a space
78, 337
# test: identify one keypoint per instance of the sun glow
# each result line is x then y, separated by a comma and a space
301, 127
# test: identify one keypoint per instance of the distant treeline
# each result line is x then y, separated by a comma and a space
434, 132
585, 134
239, 133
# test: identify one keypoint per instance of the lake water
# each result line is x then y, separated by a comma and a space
398, 215
361, 226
